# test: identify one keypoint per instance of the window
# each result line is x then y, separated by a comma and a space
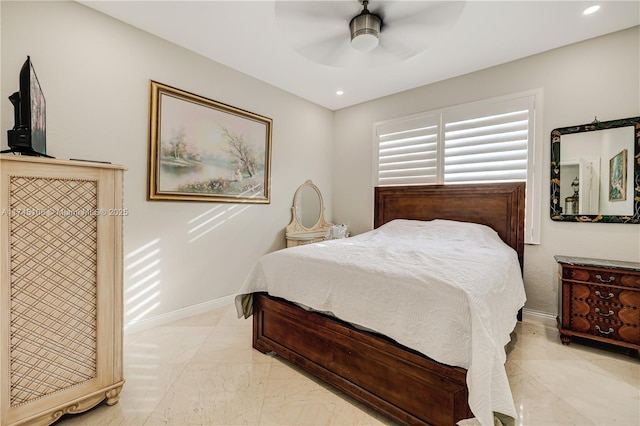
487, 141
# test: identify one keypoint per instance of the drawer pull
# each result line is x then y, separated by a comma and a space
610, 280
611, 295
604, 332
598, 311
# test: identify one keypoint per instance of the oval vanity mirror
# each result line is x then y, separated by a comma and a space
307, 217
307, 205
595, 172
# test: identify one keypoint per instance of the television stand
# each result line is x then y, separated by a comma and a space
60, 288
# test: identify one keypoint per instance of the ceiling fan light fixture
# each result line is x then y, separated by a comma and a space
365, 30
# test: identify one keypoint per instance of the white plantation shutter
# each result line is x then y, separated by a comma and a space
487, 141
407, 152
488, 144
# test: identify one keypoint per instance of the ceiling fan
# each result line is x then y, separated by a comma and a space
349, 33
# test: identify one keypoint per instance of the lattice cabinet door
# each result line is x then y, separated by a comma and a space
61, 288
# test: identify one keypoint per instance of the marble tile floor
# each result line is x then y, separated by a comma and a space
202, 371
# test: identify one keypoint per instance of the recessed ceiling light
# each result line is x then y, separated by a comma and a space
339, 92
592, 9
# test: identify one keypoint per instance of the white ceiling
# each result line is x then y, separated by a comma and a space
255, 38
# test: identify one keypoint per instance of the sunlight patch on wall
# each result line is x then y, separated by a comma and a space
142, 275
211, 219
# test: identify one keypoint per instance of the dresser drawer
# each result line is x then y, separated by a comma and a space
600, 276
594, 294
604, 311
604, 329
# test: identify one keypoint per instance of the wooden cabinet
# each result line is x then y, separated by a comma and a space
61, 288
600, 300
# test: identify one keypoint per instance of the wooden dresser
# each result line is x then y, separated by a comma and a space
600, 300
60, 287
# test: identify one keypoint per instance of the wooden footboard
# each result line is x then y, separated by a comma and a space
392, 379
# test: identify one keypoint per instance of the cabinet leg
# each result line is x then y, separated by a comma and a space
113, 395
565, 339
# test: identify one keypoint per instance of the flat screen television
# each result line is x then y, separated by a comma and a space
29, 133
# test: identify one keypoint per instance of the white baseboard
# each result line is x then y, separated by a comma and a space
529, 315
200, 308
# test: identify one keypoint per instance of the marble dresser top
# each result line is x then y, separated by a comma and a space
602, 263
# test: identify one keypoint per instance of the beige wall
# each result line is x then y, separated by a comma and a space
95, 74
598, 77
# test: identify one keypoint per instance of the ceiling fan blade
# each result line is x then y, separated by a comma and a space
416, 37
393, 49
435, 13
332, 51
318, 30
299, 36
316, 12
411, 29
294, 29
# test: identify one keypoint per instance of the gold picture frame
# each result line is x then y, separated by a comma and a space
204, 150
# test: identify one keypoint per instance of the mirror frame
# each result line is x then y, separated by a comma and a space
296, 227
556, 205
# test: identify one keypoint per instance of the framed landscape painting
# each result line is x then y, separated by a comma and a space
618, 177
203, 150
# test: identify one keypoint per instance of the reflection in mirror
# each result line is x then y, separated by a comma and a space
308, 206
595, 172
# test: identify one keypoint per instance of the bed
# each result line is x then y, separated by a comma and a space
396, 379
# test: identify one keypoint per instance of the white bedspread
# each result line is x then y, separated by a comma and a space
450, 290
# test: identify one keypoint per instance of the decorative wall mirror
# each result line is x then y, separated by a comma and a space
307, 216
595, 172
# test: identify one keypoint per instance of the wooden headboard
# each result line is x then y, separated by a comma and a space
498, 205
